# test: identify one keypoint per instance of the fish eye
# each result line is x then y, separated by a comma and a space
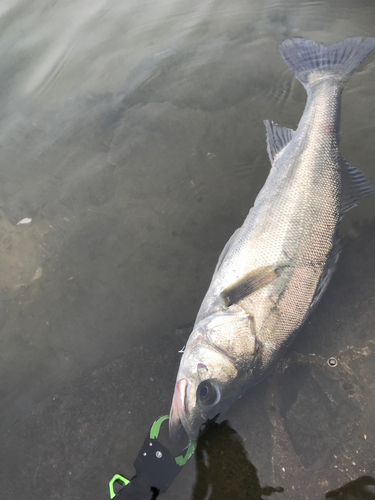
207, 393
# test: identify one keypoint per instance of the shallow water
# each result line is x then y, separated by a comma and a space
132, 135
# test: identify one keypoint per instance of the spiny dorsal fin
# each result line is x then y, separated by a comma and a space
249, 284
277, 138
355, 186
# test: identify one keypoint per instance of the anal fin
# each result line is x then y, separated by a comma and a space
328, 272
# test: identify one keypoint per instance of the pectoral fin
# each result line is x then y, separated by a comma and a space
249, 284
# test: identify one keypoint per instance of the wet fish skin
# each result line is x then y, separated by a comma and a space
275, 268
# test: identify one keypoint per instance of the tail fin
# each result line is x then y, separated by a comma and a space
312, 61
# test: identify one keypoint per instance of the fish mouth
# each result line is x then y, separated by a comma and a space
179, 409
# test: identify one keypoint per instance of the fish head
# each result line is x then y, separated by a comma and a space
211, 373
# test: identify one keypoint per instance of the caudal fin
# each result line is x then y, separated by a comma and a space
312, 61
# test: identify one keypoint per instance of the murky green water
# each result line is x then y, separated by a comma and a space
132, 135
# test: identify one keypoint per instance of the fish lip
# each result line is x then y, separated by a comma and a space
179, 409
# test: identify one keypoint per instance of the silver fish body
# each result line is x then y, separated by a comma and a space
274, 269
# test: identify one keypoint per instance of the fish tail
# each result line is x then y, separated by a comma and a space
312, 61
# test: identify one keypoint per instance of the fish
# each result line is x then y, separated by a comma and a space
275, 268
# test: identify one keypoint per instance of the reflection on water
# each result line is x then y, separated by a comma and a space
225, 471
132, 135
359, 489
223, 468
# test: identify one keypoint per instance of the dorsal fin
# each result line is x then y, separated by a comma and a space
277, 138
355, 186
